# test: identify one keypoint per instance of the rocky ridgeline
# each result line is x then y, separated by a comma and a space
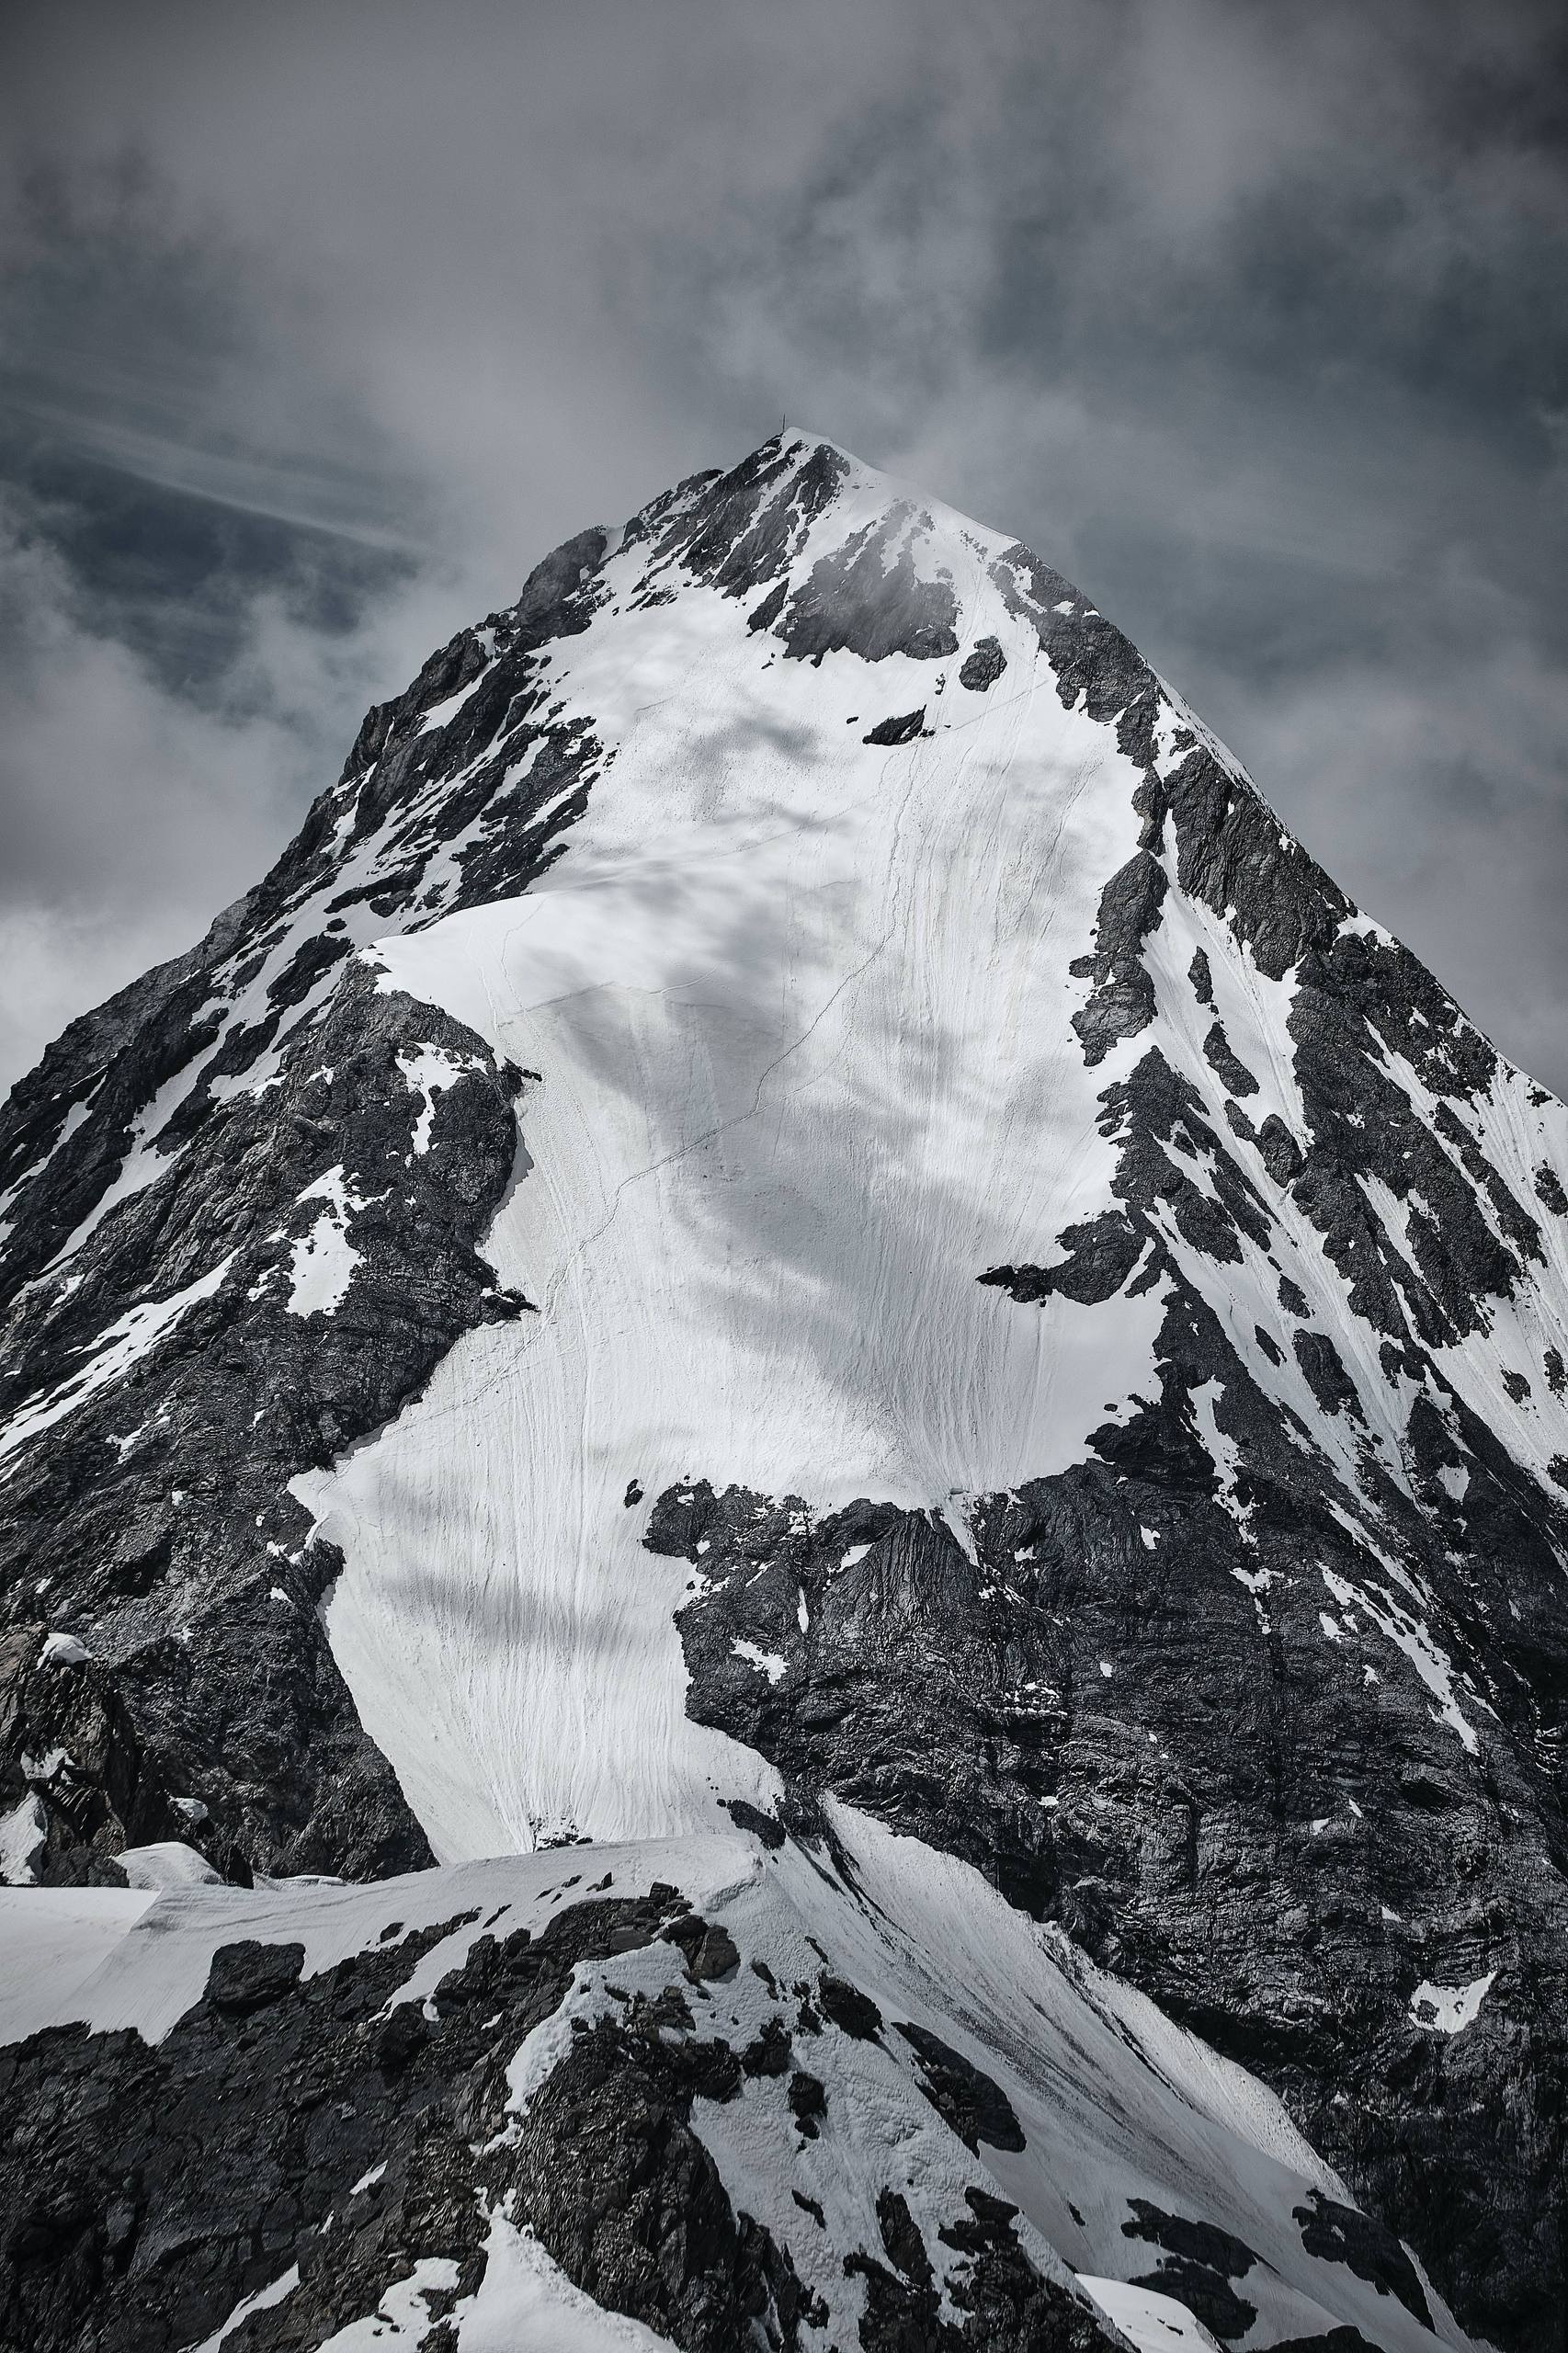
583, 2082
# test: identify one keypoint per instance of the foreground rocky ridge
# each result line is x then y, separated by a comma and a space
1259, 1697
716, 2105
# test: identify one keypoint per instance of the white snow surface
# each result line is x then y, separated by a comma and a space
262, 2299
322, 1262
403, 2312
23, 1830
63, 1649
1154, 2323
525, 2304
428, 1070
52, 1941
801, 1010
800, 1006
766, 1663
1116, 2101
167, 1863
1448, 2009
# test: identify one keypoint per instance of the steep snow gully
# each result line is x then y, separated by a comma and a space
785, 1493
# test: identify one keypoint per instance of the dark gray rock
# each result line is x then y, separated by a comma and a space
1101, 1254
850, 2010
1221, 1867
1326, 1376
1217, 1055
146, 2188
1279, 1152
213, 1711
855, 601
249, 1976
1200, 2261
981, 669
1343, 2235
897, 731
1122, 1002
176, 1552
971, 2103
807, 2096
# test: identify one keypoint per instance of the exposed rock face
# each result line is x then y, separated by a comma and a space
357, 2134
1127, 1745
1243, 1662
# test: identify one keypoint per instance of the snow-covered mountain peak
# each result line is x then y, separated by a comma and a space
794, 1195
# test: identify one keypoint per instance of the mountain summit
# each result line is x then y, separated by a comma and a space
797, 1275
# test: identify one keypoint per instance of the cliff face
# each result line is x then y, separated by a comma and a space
793, 1207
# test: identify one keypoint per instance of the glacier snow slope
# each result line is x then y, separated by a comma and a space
799, 1008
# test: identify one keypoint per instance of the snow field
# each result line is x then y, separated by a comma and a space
799, 1004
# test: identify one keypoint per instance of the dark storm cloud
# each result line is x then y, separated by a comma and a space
322, 324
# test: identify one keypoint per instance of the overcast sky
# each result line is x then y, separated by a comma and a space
320, 323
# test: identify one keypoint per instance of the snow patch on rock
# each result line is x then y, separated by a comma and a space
1448, 2009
